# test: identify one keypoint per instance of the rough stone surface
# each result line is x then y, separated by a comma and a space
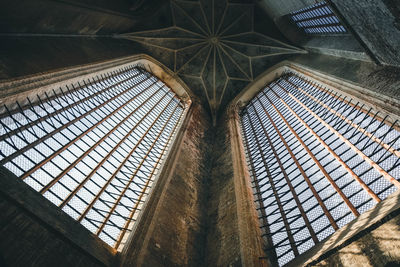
21, 56
375, 23
84, 17
378, 248
45, 35
35, 232
25, 241
223, 244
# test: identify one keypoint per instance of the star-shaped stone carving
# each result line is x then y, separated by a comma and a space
213, 48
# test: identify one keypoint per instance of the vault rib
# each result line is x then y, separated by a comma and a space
234, 62
190, 18
194, 56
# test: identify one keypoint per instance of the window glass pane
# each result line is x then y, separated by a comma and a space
317, 19
95, 150
318, 160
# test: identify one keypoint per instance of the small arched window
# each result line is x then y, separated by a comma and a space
318, 160
318, 19
95, 149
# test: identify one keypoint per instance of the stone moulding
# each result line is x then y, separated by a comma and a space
20, 88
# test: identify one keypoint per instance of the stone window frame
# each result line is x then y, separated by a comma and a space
252, 243
42, 209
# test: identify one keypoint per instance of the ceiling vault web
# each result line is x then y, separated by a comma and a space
213, 47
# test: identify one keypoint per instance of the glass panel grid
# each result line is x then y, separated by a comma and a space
318, 160
318, 19
94, 150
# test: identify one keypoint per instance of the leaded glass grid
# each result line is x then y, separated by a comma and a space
318, 19
95, 149
318, 160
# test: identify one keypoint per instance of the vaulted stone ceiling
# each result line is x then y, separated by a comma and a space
213, 47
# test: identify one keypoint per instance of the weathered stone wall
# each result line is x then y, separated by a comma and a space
223, 244
42, 35
379, 247
375, 24
21, 56
25, 241
83, 17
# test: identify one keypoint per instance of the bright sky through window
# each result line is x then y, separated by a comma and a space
318, 19
318, 160
94, 150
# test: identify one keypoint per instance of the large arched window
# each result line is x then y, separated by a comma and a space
318, 160
95, 149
